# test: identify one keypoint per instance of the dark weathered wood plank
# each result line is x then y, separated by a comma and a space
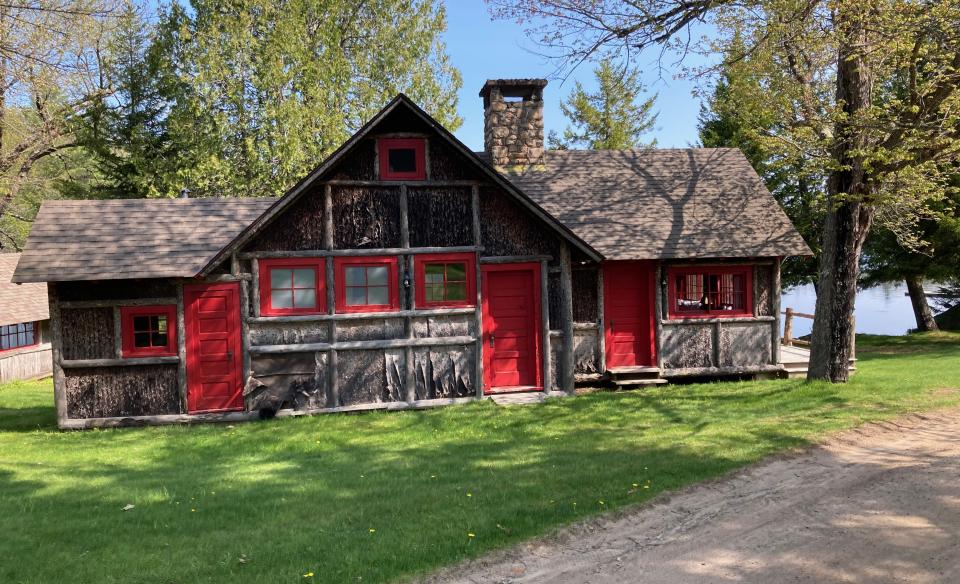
132, 362
358, 252
566, 305
364, 345
112, 303
361, 315
513, 259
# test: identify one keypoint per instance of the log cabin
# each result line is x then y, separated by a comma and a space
24, 326
407, 271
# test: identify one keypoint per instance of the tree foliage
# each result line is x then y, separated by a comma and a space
266, 90
612, 118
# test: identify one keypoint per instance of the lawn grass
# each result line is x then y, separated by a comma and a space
379, 497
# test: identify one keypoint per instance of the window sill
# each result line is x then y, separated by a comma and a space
124, 362
420, 312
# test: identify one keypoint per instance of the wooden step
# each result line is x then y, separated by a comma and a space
639, 382
517, 399
633, 370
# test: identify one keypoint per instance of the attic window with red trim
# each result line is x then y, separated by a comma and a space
148, 331
402, 158
711, 292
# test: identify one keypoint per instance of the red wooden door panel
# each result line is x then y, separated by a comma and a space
511, 327
212, 328
628, 313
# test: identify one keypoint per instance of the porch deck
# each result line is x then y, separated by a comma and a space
795, 360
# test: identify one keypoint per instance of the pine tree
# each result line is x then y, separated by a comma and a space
610, 118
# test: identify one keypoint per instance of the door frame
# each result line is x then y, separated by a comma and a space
534, 268
191, 338
651, 288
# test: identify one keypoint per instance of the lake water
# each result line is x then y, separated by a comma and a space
883, 310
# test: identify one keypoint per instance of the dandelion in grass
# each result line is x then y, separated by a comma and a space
601, 502
372, 530
471, 535
308, 575
469, 494
193, 510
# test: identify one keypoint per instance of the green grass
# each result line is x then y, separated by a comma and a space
378, 497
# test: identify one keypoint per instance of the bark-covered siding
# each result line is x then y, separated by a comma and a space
745, 344
370, 377
288, 333
764, 293
687, 346
446, 164
444, 372
359, 164
585, 295
300, 227
365, 217
116, 289
509, 230
296, 380
586, 351
88, 333
440, 217
555, 298
122, 391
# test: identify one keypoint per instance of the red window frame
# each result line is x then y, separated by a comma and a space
266, 288
127, 314
30, 327
420, 264
340, 266
385, 145
706, 272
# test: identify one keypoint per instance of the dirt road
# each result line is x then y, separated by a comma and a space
878, 504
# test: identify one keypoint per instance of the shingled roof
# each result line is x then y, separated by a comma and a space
131, 238
663, 203
23, 302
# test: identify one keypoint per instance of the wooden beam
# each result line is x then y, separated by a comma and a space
404, 219
547, 349
232, 417
731, 319
514, 259
327, 217
659, 290
226, 278
181, 349
775, 324
117, 333
718, 371
478, 309
234, 265
402, 183
255, 288
566, 309
85, 363
601, 322
245, 329
363, 345
56, 352
111, 303
421, 313
585, 326
316, 253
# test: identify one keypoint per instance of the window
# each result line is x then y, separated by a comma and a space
14, 336
292, 286
367, 284
148, 331
402, 158
446, 280
711, 292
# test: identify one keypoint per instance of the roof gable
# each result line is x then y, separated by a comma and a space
374, 124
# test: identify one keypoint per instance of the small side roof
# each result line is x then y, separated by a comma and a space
131, 238
663, 203
23, 302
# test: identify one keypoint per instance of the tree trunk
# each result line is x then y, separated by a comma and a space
921, 308
850, 213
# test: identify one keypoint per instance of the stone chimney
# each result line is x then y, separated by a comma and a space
513, 121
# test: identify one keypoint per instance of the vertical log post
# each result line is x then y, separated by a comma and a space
601, 323
406, 267
255, 274
181, 349
478, 315
658, 296
245, 328
566, 307
56, 352
333, 378
118, 334
788, 327
775, 299
547, 351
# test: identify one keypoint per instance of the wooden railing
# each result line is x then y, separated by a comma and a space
788, 339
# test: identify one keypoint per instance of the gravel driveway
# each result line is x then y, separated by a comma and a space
877, 504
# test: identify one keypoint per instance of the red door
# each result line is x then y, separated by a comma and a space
628, 313
212, 327
511, 327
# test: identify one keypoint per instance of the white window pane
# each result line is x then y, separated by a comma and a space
281, 299
280, 278
377, 276
378, 295
356, 296
306, 298
304, 278
356, 276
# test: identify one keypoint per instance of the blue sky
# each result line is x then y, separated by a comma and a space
482, 49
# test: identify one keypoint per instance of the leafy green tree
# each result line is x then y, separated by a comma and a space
262, 91
126, 134
612, 118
